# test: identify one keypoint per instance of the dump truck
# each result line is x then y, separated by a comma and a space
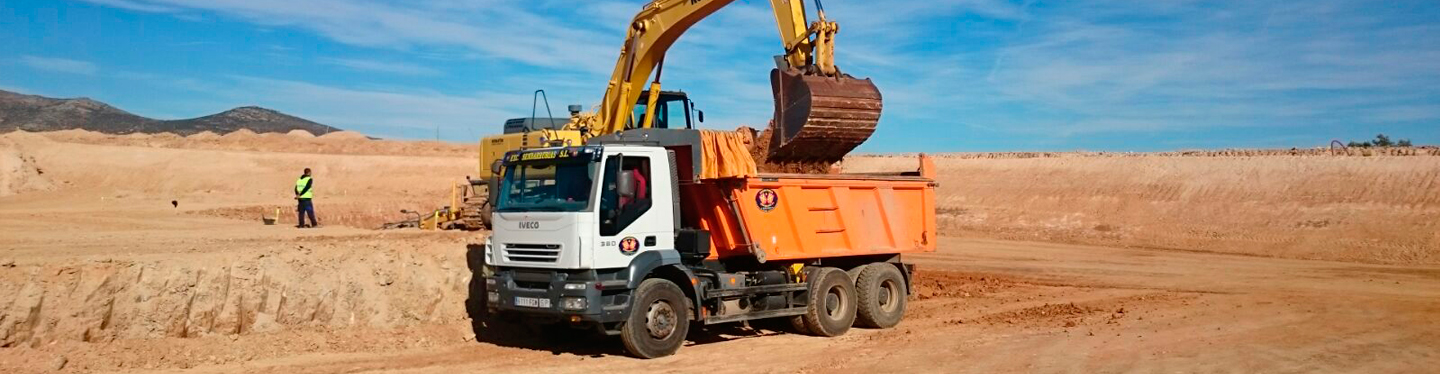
643, 233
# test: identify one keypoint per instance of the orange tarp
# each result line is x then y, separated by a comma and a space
725, 155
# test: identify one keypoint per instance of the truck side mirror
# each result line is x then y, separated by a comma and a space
495, 168
700, 114
625, 184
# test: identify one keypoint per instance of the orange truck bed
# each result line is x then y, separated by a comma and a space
789, 217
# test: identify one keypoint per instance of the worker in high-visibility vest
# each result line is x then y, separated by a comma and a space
304, 191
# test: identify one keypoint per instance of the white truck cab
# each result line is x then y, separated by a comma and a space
577, 228
563, 208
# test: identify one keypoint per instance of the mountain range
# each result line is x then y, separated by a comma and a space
38, 113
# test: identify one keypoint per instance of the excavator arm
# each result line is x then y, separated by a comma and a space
820, 113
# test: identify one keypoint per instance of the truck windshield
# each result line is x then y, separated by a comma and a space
550, 186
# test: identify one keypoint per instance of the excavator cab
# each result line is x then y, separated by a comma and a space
672, 111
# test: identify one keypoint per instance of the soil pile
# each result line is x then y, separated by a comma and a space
241, 134
299, 141
315, 283
760, 151
1344, 207
300, 134
344, 135
18, 173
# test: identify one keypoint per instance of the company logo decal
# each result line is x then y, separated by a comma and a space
767, 199
629, 245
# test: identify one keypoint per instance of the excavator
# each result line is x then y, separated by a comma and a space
821, 113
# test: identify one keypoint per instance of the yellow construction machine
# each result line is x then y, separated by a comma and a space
821, 114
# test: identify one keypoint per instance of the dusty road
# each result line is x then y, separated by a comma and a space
989, 306
980, 306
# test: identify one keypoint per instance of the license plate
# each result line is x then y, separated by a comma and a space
532, 302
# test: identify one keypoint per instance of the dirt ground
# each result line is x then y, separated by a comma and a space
1374, 209
100, 273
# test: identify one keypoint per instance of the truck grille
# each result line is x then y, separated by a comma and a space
523, 252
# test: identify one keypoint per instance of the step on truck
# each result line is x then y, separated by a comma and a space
629, 235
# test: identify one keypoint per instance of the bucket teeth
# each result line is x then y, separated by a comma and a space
821, 119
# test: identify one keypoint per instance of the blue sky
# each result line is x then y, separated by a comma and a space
957, 75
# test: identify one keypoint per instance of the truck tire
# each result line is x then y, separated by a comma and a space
659, 320
881, 293
831, 307
797, 324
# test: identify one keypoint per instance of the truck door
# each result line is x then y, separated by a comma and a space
634, 218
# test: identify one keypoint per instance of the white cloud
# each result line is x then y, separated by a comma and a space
1089, 67
504, 30
59, 65
140, 5
382, 66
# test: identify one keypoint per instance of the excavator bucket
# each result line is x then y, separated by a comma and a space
820, 119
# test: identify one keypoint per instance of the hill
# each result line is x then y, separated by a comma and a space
37, 113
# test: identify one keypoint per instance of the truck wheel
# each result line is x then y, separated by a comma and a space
798, 324
881, 293
659, 320
831, 308
485, 217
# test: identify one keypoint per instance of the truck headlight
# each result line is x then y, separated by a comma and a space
575, 303
574, 286
492, 297
489, 283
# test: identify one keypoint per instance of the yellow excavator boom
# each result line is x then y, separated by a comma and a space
820, 113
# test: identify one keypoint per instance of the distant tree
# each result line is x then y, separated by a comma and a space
1403, 143
1355, 144
1382, 141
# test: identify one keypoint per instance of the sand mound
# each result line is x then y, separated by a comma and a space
189, 298
342, 142
22, 136
350, 135
166, 136
18, 173
1344, 208
240, 134
300, 133
74, 134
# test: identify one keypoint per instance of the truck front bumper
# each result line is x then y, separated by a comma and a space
558, 296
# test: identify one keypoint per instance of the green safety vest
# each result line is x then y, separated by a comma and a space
300, 186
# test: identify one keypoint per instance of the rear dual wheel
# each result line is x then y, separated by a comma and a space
832, 303
881, 291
